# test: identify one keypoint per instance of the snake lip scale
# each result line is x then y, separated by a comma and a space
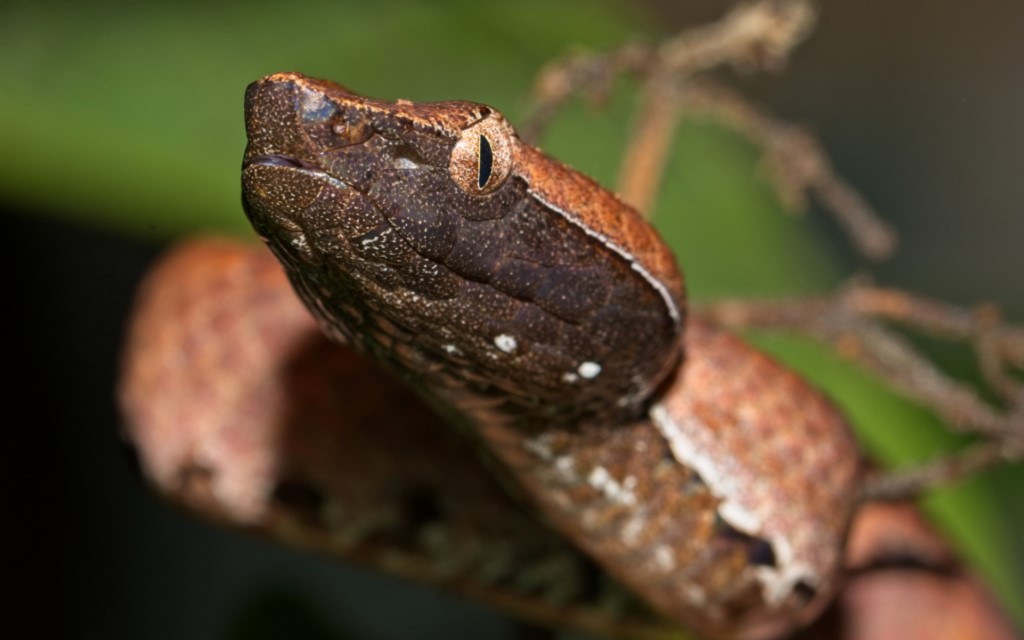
281, 160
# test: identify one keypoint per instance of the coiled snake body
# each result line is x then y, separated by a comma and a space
533, 310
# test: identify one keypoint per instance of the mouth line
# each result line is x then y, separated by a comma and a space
282, 160
291, 162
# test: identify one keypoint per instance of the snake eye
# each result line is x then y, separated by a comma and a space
486, 162
482, 158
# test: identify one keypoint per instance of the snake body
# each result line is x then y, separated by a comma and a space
545, 318
244, 413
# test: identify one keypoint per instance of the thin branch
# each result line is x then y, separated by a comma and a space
911, 483
756, 34
646, 155
795, 163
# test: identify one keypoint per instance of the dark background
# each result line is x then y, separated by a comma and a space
106, 160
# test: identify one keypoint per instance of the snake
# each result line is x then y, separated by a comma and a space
540, 323
544, 318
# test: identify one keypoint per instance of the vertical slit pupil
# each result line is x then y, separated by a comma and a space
486, 160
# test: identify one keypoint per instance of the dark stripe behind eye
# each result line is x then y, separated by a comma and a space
486, 159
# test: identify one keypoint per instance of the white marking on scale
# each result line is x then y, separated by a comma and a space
570, 377
691, 454
779, 581
776, 582
598, 477
325, 176
540, 447
664, 558
632, 529
603, 481
739, 517
452, 349
694, 595
635, 526
565, 464
405, 163
565, 470
670, 304
506, 342
589, 370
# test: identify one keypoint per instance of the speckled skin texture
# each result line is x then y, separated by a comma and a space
777, 455
718, 509
500, 293
540, 314
244, 413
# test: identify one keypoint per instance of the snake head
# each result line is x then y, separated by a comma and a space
430, 238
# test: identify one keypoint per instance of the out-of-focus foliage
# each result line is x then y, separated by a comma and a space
129, 115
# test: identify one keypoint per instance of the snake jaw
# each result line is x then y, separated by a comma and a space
280, 160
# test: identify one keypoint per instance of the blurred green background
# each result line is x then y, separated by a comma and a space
121, 130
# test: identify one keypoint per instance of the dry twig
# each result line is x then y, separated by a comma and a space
754, 36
